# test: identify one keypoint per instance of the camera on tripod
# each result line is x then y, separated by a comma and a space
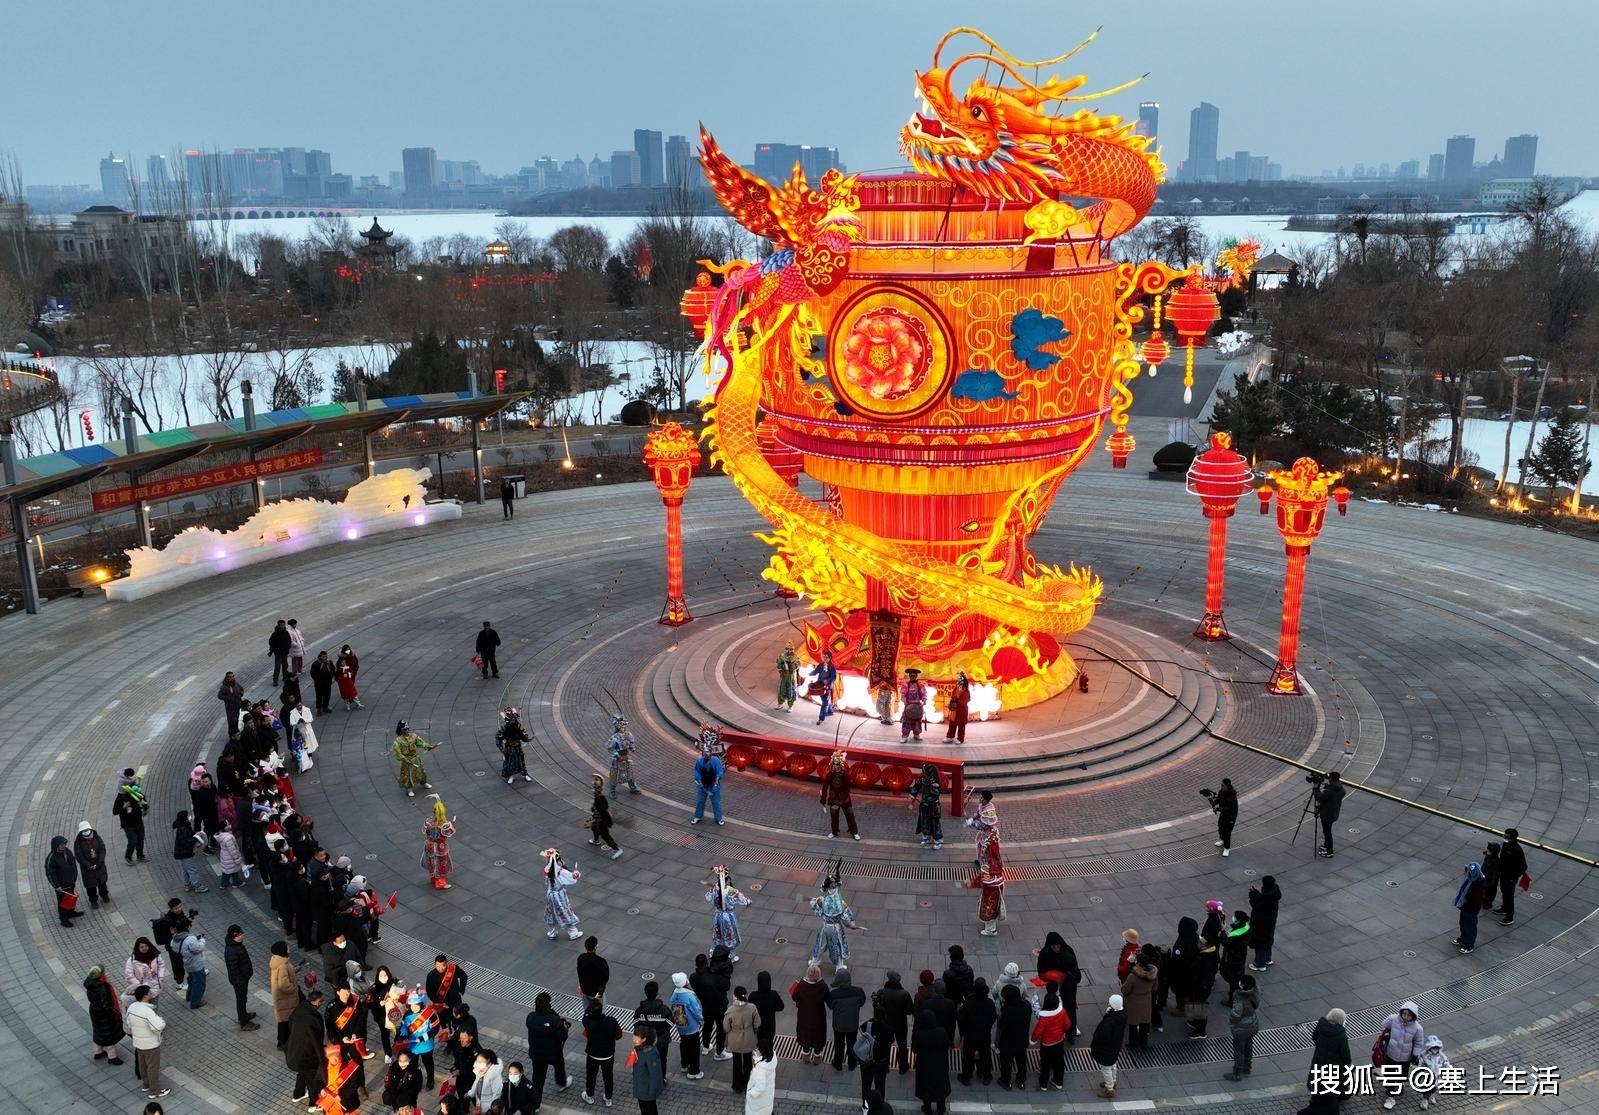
1315, 778
1207, 793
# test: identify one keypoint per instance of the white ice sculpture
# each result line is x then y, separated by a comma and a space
389, 501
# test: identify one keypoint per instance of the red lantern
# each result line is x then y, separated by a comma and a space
800, 766
896, 779
865, 775
770, 761
697, 302
740, 756
1155, 350
1121, 446
1192, 310
1340, 496
1264, 492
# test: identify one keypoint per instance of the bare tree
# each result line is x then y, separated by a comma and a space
515, 236
580, 248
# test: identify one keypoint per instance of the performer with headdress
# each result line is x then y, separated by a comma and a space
913, 705
725, 899
836, 916
436, 833
836, 797
824, 679
985, 819
960, 702
509, 739
929, 810
788, 668
558, 910
710, 740
990, 878
883, 697
408, 748
622, 746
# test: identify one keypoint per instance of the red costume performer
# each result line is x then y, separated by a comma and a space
960, 700
836, 795
990, 879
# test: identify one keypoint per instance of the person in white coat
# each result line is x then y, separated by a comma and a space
761, 1092
144, 1028
296, 647
488, 1081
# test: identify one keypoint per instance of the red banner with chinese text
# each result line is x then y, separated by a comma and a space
222, 476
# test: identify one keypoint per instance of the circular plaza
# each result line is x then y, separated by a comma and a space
1449, 666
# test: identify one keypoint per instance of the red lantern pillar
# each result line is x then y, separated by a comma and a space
670, 453
1302, 494
1220, 478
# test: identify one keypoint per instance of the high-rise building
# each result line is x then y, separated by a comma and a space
1521, 156
1435, 168
599, 173
1240, 166
1148, 119
266, 173
1409, 170
317, 163
575, 174
1225, 171
293, 160
625, 169
679, 161
651, 161
1257, 171
549, 172
775, 161
421, 171
397, 180
1459, 154
159, 176
1204, 123
114, 181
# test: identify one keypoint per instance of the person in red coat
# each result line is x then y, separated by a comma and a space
960, 700
1050, 1034
1129, 955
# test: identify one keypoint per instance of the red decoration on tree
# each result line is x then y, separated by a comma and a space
88, 424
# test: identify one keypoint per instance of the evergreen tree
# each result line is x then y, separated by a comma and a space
1251, 412
343, 386
1558, 458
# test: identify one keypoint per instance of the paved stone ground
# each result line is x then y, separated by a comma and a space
1452, 662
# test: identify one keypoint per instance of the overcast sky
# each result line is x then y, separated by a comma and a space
1313, 85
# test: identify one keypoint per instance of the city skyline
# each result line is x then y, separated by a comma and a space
578, 96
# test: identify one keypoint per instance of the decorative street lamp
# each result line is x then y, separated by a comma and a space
1302, 493
670, 453
1220, 478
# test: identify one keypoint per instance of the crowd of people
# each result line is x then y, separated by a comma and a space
245, 820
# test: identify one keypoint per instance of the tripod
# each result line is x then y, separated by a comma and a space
1312, 809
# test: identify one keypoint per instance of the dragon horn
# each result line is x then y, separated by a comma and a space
1002, 52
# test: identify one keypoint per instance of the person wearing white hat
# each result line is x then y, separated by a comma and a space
1106, 1045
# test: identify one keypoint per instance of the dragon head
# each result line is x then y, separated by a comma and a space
997, 140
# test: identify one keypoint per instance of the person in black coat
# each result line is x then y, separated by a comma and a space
893, 1005
278, 646
768, 1004
943, 1009
874, 1069
546, 1043
1225, 803
1182, 969
303, 1051
1235, 953
323, 672
61, 870
976, 1017
240, 969
463, 1052
593, 972
712, 987
1330, 1051
89, 850
488, 643
1106, 1045
930, 1042
1263, 904
130, 808
1013, 1032
105, 1016
1512, 866
437, 992
654, 1013
958, 976
519, 1094
1057, 961
402, 1086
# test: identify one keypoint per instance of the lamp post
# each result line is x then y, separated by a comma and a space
670, 453
1220, 478
1302, 493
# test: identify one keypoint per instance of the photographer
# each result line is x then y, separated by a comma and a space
1329, 798
1224, 803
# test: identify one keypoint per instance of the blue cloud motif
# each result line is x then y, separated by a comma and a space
980, 385
1030, 331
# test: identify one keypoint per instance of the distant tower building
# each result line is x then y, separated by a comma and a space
599, 173
318, 169
1435, 168
1459, 155
625, 169
158, 176
549, 174
421, 171
1409, 170
1521, 156
375, 247
1258, 169
651, 161
574, 174
1240, 166
1148, 119
1204, 123
679, 161
114, 182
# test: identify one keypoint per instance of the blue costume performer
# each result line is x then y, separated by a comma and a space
836, 917
824, 679
558, 910
725, 900
622, 747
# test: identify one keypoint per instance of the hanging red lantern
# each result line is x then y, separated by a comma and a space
1155, 350
864, 775
739, 756
770, 761
697, 302
1121, 446
800, 766
88, 424
1192, 310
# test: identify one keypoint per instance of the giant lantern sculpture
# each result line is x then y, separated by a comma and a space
671, 453
1302, 493
940, 349
1220, 477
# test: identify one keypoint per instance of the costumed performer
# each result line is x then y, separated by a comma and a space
509, 739
725, 899
913, 705
788, 669
408, 748
824, 679
926, 791
436, 833
622, 746
985, 819
960, 703
558, 912
990, 878
832, 938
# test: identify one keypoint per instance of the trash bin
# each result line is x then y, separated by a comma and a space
518, 484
